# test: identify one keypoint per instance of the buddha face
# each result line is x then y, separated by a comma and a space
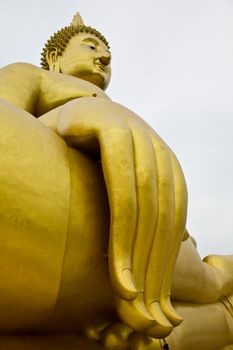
88, 58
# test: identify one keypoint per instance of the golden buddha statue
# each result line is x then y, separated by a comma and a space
93, 214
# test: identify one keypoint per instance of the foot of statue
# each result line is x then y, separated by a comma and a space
223, 265
224, 262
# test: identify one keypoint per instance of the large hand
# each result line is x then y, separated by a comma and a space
147, 198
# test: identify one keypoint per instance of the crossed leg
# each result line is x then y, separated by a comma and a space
200, 281
208, 327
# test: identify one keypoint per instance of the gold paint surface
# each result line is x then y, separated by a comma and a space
95, 253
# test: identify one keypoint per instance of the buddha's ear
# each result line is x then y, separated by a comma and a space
52, 59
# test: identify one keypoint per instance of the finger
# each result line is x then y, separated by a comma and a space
134, 313
146, 191
96, 119
117, 156
159, 251
180, 196
180, 193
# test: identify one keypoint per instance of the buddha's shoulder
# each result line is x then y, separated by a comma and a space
21, 65
20, 68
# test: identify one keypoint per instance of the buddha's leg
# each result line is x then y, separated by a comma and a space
198, 281
204, 327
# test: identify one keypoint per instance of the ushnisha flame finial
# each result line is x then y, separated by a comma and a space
77, 20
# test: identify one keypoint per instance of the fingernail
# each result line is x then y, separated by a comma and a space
129, 279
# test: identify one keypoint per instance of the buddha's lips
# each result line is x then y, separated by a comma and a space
101, 66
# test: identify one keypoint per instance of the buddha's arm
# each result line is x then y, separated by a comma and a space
147, 198
38, 91
20, 85
56, 89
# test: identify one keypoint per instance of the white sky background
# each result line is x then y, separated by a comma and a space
173, 65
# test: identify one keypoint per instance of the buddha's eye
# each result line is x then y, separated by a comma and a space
92, 47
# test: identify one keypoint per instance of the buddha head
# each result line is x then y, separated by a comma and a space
79, 51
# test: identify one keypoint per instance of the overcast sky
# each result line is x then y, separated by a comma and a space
173, 65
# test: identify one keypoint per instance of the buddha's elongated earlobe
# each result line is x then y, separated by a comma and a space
52, 59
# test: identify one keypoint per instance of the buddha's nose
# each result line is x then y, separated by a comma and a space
105, 58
